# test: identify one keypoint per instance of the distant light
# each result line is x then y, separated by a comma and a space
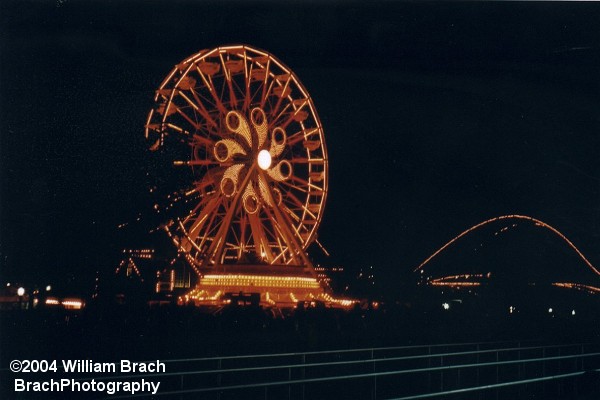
20, 291
511, 309
52, 301
8, 284
550, 310
573, 312
446, 306
48, 288
72, 304
264, 159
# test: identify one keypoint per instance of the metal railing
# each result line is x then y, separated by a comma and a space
482, 370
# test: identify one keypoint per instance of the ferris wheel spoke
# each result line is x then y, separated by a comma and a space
292, 186
239, 84
193, 163
316, 161
195, 124
266, 93
246, 72
301, 135
200, 108
228, 79
284, 225
306, 183
281, 92
196, 226
256, 93
193, 212
280, 233
221, 92
196, 107
187, 243
301, 205
209, 227
269, 227
213, 91
250, 98
282, 251
301, 223
258, 74
198, 140
265, 88
247, 95
281, 257
297, 114
200, 186
275, 120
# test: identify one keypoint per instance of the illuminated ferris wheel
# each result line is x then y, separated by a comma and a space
246, 139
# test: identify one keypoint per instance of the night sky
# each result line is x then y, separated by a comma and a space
436, 116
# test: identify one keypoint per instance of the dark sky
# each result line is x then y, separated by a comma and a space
437, 116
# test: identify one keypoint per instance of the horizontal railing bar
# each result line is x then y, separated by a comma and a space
366, 349
360, 376
492, 386
275, 355
327, 364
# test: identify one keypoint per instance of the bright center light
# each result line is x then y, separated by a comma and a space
264, 159
20, 291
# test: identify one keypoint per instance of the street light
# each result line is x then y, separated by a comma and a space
20, 293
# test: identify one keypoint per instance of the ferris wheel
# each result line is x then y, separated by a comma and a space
247, 144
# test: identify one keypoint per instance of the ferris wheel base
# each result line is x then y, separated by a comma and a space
261, 285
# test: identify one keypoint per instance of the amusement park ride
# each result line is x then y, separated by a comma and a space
249, 149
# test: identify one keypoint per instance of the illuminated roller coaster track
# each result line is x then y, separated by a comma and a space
537, 222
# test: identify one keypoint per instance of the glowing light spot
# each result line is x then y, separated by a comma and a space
550, 310
20, 291
446, 306
264, 159
573, 312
